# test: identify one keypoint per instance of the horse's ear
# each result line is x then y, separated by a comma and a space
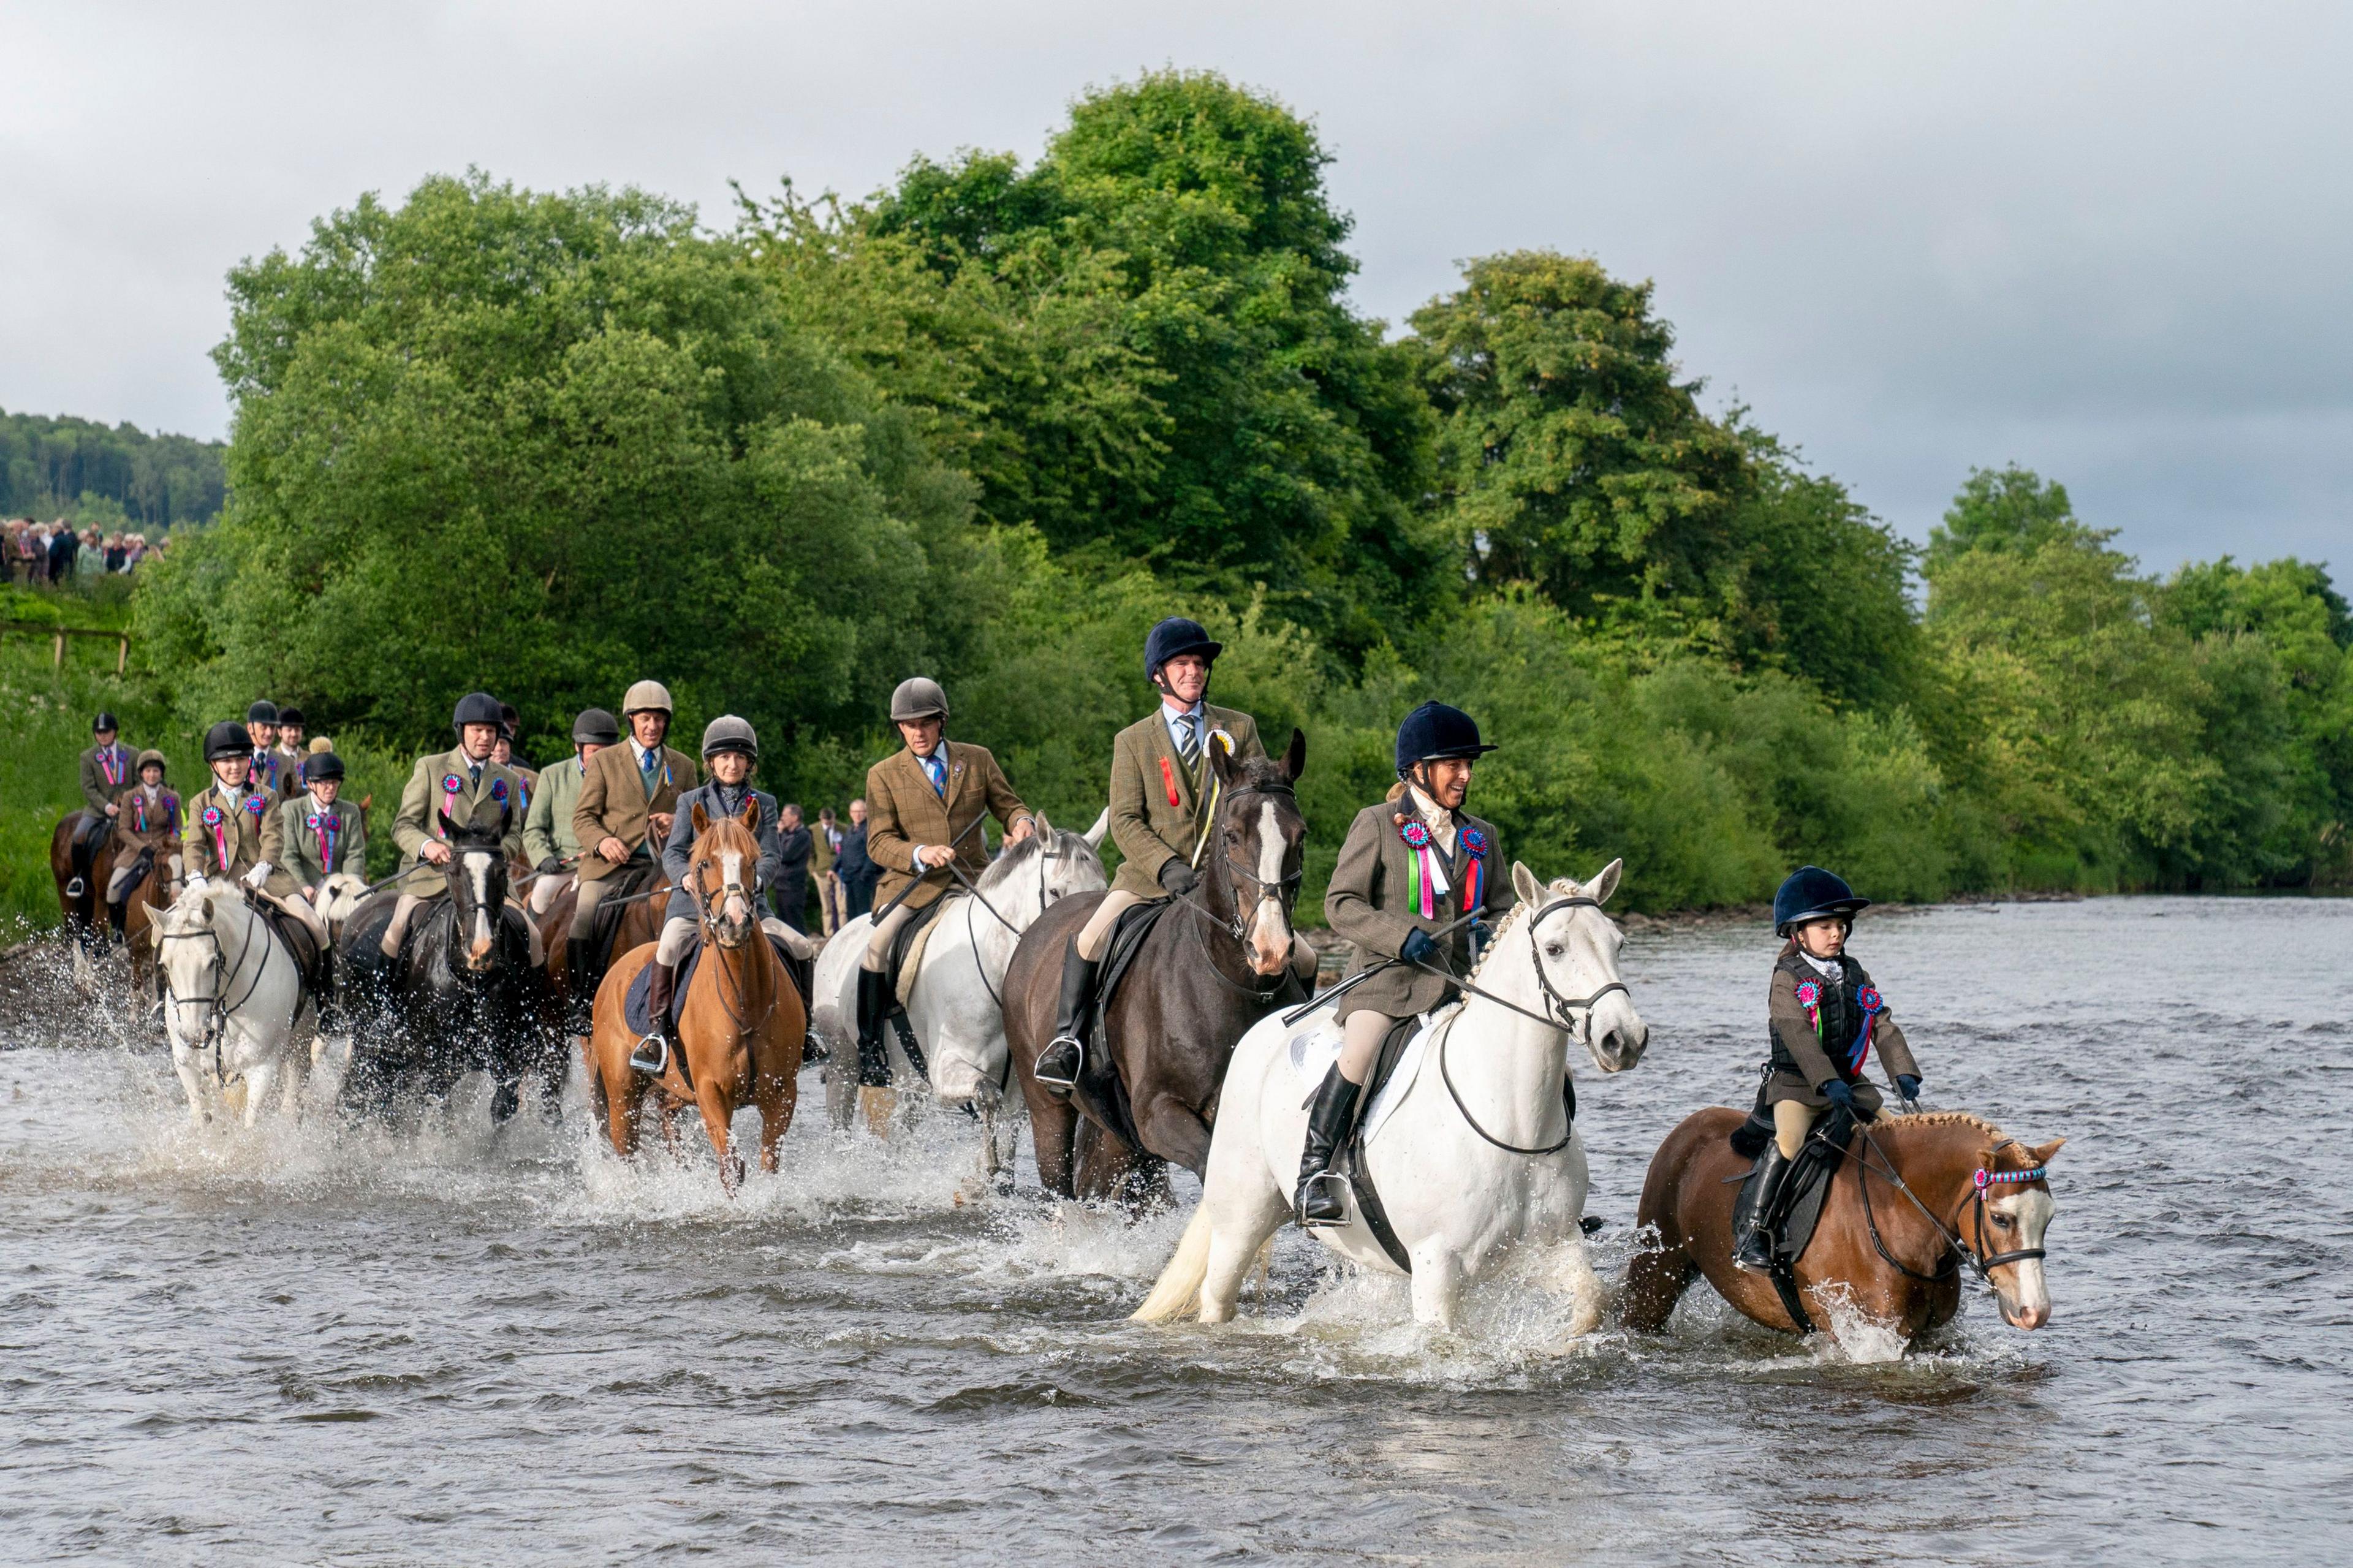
1294, 756
207, 906
1223, 763
701, 818
448, 828
1041, 829
2042, 1152
750, 815
1524, 883
1605, 882
1094, 836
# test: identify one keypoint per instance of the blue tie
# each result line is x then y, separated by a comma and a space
939, 772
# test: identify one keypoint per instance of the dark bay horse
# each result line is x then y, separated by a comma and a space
639, 921
86, 916
463, 994
1975, 1198
741, 1024
1215, 963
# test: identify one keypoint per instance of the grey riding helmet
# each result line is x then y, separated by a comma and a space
596, 726
728, 733
918, 697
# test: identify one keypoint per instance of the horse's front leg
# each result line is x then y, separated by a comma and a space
1437, 1285
259, 1080
1569, 1274
719, 1122
192, 1079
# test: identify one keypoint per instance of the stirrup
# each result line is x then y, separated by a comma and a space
1047, 1080
652, 1054
1343, 1195
75, 888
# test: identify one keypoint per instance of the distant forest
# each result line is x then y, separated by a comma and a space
106, 475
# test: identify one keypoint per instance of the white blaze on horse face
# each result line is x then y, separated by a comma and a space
734, 905
478, 868
2030, 1303
1270, 930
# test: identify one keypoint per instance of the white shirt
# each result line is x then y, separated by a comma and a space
1440, 820
1830, 969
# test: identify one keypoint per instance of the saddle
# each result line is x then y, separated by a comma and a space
1103, 1089
1800, 1210
906, 954
633, 1005
310, 958
605, 925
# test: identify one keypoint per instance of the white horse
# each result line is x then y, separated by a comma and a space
1470, 1150
956, 1006
232, 1000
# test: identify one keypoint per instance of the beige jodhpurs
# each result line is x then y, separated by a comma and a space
878, 942
1361, 1033
406, 909
584, 913
544, 891
1790, 1122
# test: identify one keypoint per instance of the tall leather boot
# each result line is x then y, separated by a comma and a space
653, 1051
1058, 1065
118, 912
1317, 1202
329, 1016
1757, 1211
873, 1007
82, 851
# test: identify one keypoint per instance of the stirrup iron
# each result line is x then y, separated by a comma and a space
1047, 1080
652, 1054
1343, 1193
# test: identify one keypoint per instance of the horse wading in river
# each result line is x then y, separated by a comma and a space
955, 1000
1214, 964
1473, 1150
740, 1026
463, 994
233, 1002
1915, 1200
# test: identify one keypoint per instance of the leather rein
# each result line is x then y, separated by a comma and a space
1955, 1251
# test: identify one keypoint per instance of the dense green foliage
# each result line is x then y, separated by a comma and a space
110, 477
991, 423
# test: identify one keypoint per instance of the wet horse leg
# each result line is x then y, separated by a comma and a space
718, 1109
1570, 1274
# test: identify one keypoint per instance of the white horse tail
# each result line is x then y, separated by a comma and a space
1179, 1291
1094, 836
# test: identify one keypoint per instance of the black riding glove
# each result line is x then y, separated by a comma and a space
551, 865
1418, 948
1907, 1085
1481, 933
1839, 1092
1178, 878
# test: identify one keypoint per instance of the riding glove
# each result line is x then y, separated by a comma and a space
1418, 948
1839, 1092
1907, 1085
551, 865
1178, 878
258, 875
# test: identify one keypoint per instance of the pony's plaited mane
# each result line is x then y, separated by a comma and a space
1520, 913
1953, 1118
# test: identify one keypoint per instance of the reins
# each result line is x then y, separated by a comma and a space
1955, 1251
216, 1030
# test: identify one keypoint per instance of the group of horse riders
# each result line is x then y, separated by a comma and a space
1418, 882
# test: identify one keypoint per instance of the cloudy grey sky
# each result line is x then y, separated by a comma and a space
2113, 242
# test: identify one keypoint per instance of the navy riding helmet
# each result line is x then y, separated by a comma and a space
1433, 731
477, 708
1810, 893
1173, 639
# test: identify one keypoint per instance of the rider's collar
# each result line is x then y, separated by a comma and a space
1828, 968
1440, 820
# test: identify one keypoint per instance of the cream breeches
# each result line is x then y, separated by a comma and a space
1790, 1122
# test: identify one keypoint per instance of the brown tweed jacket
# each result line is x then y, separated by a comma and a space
1155, 800
1369, 901
902, 810
613, 801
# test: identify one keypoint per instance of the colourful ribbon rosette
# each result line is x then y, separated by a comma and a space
325, 827
1425, 876
217, 821
1474, 880
1872, 1004
1810, 997
450, 785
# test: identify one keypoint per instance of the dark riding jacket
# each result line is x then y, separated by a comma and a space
1372, 902
718, 800
1815, 1024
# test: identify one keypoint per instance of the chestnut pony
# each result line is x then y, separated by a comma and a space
740, 1024
1917, 1199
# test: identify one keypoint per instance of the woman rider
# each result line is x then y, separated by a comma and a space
1824, 1015
731, 750
1412, 863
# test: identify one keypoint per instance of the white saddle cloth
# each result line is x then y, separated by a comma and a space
1314, 1046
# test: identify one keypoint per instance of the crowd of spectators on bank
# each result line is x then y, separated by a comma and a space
57, 553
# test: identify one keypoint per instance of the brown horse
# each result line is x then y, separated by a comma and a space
85, 916
1915, 1199
741, 1026
1215, 962
640, 923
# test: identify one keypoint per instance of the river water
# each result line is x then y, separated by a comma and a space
446, 1344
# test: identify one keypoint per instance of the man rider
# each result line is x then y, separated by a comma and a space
1411, 863
629, 798
106, 769
461, 783
922, 803
290, 748
731, 751
547, 836
1160, 803
269, 768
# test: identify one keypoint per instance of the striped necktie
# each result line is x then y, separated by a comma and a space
938, 771
1189, 740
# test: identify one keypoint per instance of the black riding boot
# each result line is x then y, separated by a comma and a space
83, 851
329, 1015
118, 910
1059, 1064
1318, 1202
1754, 1217
873, 1007
653, 1051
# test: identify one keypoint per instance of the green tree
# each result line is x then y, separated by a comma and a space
50, 467
2009, 509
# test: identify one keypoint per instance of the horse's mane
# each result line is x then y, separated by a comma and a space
1952, 1119
1012, 857
716, 831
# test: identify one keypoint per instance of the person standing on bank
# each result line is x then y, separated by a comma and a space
1412, 863
106, 771
794, 847
547, 836
1824, 1016
628, 799
921, 804
825, 848
1160, 790
856, 868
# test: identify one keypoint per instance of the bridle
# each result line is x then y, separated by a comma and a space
1955, 1251
214, 1032
1283, 891
1559, 1014
731, 990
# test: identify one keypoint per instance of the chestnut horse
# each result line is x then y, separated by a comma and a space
1917, 1198
741, 1025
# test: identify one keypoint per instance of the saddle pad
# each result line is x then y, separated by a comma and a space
633, 1005
1314, 1046
1126, 940
1810, 1185
909, 957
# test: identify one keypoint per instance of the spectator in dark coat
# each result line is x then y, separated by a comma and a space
64, 545
857, 869
792, 888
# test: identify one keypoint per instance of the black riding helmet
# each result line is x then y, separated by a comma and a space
263, 711
1433, 731
509, 721
292, 716
103, 722
228, 739
595, 727
477, 708
1175, 637
322, 765
1810, 893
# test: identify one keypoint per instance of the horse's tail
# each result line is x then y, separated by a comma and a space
1178, 1289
